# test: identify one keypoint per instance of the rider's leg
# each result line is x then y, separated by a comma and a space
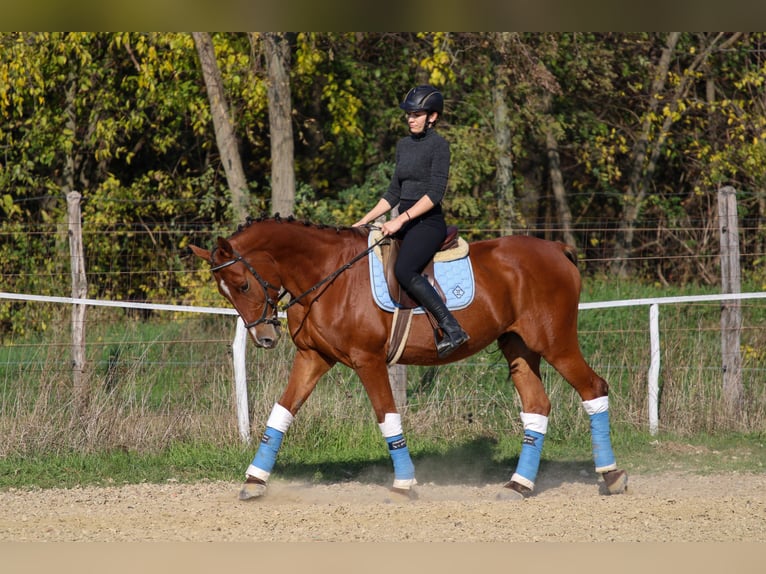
418, 247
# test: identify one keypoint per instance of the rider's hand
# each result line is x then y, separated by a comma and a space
391, 227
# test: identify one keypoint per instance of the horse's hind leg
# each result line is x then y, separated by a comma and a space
374, 377
524, 365
594, 392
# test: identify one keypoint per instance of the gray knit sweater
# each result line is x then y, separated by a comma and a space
422, 168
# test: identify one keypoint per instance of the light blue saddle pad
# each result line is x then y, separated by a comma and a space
454, 277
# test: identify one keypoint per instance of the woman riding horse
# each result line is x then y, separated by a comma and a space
417, 187
526, 300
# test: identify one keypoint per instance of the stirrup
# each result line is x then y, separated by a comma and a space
447, 345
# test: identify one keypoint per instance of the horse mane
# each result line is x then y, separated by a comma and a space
263, 217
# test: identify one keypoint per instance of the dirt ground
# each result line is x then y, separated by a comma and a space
668, 507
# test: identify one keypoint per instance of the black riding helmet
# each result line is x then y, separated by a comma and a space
423, 98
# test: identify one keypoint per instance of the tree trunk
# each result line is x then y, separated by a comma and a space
504, 179
760, 243
225, 136
397, 375
276, 50
564, 215
635, 192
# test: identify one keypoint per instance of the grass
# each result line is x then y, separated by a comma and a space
482, 459
179, 462
161, 404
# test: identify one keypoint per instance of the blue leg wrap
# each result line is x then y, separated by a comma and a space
603, 455
400, 455
268, 449
529, 459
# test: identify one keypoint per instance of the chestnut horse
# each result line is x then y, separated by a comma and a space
526, 298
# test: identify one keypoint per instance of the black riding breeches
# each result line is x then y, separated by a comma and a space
421, 239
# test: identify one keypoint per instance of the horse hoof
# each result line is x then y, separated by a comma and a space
253, 488
409, 493
512, 490
616, 481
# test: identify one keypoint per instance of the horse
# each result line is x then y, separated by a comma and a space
527, 293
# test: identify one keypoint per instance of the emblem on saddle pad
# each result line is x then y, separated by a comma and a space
450, 272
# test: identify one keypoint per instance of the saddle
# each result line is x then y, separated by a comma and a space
389, 251
451, 248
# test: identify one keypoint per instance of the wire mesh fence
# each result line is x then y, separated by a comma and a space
161, 375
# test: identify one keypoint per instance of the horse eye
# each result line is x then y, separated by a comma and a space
245, 288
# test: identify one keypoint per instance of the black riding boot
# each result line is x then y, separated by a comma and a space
454, 336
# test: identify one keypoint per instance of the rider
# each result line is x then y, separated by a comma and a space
417, 187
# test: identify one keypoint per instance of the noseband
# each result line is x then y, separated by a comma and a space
265, 285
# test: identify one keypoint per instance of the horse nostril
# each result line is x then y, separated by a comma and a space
266, 342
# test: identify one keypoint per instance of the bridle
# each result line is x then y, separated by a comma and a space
265, 285
269, 303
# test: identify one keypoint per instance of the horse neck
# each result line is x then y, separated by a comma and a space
303, 254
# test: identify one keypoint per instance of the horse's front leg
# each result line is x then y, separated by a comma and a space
308, 367
376, 383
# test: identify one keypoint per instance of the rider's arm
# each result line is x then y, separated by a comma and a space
381, 208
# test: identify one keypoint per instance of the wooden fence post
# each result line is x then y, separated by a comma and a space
397, 374
79, 291
731, 313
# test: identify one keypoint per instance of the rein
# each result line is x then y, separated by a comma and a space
265, 285
335, 273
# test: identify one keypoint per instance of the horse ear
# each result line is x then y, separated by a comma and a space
199, 252
227, 251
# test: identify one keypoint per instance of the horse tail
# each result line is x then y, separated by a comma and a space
570, 251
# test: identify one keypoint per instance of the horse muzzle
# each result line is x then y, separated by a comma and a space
265, 335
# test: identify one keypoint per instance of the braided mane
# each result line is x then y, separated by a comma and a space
249, 221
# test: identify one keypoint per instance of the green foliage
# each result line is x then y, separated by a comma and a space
124, 119
352, 203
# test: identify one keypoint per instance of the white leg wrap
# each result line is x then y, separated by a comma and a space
256, 472
535, 422
405, 483
598, 411
595, 406
280, 419
529, 459
391, 425
516, 477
